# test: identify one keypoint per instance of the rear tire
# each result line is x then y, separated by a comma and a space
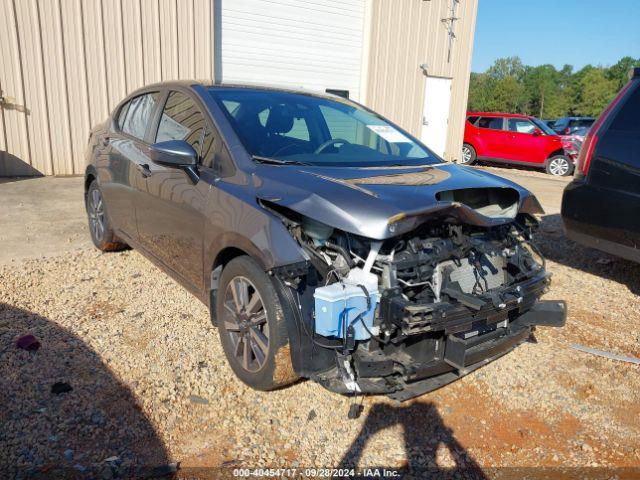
102, 234
252, 326
559, 166
469, 155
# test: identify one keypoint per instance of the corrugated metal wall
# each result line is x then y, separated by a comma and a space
405, 34
66, 63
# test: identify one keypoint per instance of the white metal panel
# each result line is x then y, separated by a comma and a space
435, 118
57, 86
66, 63
12, 109
76, 79
298, 43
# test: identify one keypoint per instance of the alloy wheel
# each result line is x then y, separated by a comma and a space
466, 154
96, 215
245, 320
559, 166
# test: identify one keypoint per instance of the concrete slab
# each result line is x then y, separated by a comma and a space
41, 216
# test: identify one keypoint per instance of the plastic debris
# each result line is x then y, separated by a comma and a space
605, 354
28, 342
197, 399
60, 387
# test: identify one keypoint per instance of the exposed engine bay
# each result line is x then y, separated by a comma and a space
411, 313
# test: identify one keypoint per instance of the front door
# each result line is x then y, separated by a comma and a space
170, 210
435, 115
525, 145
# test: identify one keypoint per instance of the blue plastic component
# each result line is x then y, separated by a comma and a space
339, 305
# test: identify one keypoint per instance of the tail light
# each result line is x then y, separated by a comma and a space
589, 145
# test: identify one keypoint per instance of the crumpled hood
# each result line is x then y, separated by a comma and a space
382, 202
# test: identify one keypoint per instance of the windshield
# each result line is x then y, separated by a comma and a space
543, 126
282, 127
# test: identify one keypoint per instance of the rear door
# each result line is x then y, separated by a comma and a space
614, 174
524, 145
170, 208
124, 150
491, 138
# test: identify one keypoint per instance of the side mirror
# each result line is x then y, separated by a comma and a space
174, 153
536, 132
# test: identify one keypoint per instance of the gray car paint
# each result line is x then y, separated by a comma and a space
189, 234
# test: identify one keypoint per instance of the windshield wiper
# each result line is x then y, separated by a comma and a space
276, 161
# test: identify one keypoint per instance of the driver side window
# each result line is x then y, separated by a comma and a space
521, 125
181, 120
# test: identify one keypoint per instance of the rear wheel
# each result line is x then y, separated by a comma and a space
102, 233
559, 165
468, 155
252, 326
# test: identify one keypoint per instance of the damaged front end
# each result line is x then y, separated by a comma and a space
449, 289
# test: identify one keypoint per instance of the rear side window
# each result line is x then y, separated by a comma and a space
138, 114
181, 120
628, 118
493, 123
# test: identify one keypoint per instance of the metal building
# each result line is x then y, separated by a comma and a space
66, 63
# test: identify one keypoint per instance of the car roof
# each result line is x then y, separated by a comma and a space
576, 118
252, 86
497, 114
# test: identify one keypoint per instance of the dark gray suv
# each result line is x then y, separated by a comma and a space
327, 242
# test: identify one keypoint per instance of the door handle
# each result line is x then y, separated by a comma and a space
144, 170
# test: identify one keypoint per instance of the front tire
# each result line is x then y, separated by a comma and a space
252, 326
468, 155
102, 234
559, 166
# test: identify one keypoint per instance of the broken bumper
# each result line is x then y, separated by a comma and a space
455, 355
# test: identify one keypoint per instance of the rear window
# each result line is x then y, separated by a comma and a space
628, 117
493, 123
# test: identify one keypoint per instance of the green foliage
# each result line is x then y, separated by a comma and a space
544, 91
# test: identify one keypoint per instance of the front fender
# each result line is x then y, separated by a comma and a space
241, 223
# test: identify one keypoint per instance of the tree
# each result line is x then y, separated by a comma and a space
596, 92
620, 71
507, 67
545, 91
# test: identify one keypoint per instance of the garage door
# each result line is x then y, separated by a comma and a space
296, 43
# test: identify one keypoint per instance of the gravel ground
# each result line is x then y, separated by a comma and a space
150, 384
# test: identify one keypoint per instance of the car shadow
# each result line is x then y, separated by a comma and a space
424, 434
64, 414
555, 246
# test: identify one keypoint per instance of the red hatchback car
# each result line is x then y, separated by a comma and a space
515, 139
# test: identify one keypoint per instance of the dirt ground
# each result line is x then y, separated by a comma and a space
151, 386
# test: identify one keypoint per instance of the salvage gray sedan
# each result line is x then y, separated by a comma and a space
327, 242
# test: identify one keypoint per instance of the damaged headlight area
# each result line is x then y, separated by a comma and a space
408, 314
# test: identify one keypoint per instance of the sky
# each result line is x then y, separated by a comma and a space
577, 32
